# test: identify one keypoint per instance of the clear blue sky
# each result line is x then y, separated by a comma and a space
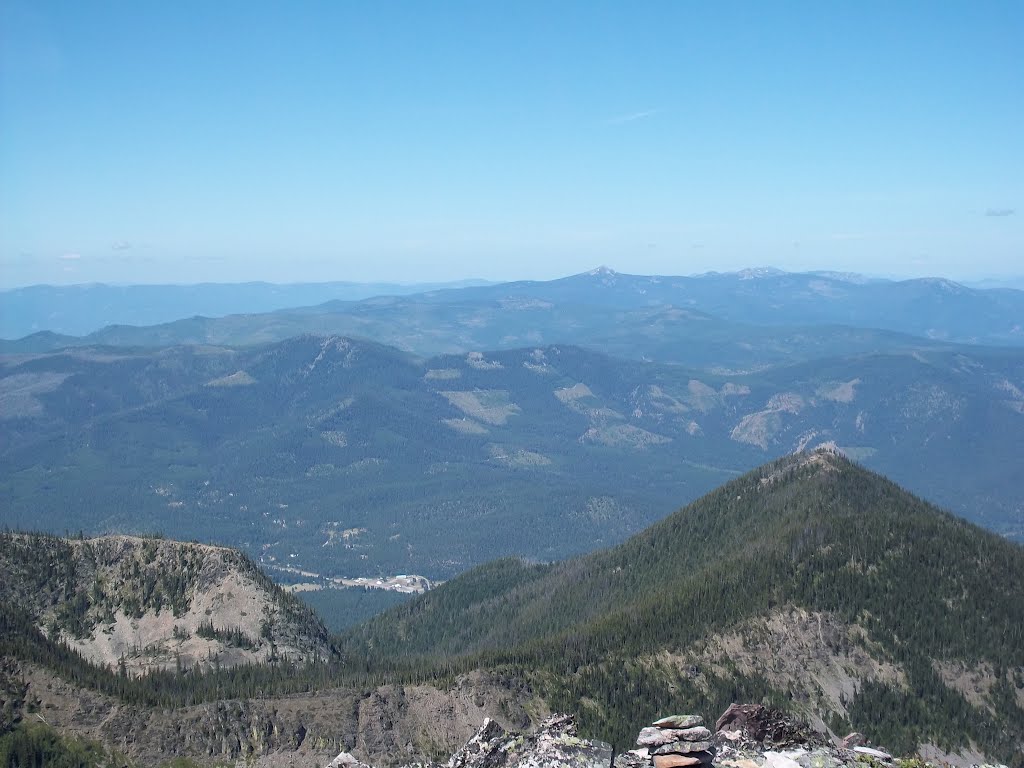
187, 141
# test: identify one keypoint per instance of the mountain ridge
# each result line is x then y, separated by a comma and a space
703, 602
569, 310
141, 604
541, 452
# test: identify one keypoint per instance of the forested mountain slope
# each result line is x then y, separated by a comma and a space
809, 580
350, 458
809, 583
424, 326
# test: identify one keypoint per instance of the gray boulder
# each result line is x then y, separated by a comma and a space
679, 721
554, 745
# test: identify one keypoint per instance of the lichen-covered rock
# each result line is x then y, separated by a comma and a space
766, 726
679, 721
484, 749
634, 758
554, 745
822, 757
684, 748
655, 737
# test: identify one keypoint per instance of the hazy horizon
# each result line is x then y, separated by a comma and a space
400, 142
1011, 280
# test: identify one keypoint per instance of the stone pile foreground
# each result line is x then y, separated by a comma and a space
677, 741
746, 736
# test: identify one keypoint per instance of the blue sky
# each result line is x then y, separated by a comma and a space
189, 141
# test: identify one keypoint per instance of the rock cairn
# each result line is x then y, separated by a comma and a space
677, 741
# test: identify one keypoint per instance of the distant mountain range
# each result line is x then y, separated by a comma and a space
81, 309
346, 457
929, 307
739, 321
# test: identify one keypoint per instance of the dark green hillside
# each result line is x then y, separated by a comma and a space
349, 458
37, 744
813, 531
824, 533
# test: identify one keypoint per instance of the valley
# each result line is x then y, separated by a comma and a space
356, 460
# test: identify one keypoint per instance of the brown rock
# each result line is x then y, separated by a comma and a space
675, 761
854, 739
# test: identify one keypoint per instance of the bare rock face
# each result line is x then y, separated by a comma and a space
765, 726
754, 736
345, 760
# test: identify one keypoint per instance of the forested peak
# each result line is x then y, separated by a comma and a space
812, 529
826, 457
816, 486
904, 585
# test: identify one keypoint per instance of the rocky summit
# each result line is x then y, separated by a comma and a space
746, 736
554, 744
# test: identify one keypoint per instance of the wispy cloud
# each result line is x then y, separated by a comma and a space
632, 117
998, 212
121, 245
70, 256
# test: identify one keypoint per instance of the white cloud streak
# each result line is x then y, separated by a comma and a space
632, 117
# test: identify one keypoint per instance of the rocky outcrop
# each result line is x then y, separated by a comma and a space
385, 726
766, 726
747, 736
141, 604
555, 744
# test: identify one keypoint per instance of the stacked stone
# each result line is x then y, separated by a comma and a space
678, 741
